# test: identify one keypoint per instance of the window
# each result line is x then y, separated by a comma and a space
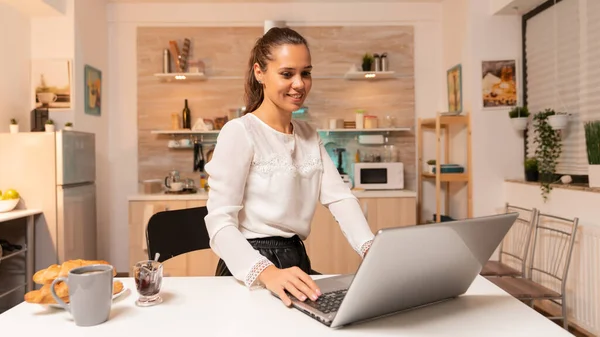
562, 60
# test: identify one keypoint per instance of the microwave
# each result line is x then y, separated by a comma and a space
379, 176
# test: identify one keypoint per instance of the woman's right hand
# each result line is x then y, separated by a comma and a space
293, 279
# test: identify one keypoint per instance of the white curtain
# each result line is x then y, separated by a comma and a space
562, 46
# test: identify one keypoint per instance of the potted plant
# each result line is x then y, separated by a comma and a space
531, 169
367, 62
430, 165
49, 125
592, 143
557, 120
68, 126
548, 150
14, 126
518, 117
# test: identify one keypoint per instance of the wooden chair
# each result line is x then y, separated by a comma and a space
551, 256
172, 233
514, 249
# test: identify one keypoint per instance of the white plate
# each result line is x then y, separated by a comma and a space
114, 297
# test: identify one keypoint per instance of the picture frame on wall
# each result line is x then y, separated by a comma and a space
499, 84
454, 84
51, 84
93, 90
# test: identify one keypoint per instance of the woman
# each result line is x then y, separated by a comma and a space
267, 173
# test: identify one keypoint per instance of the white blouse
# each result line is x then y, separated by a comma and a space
267, 183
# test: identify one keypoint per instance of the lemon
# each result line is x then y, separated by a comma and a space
10, 194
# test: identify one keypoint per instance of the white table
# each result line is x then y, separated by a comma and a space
30, 215
219, 306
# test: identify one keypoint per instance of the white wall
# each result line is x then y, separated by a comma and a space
125, 18
14, 67
497, 148
471, 35
454, 51
91, 48
53, 37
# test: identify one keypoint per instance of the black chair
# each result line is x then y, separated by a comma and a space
172, 233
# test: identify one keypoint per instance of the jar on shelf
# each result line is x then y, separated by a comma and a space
377, 62
384, 62
371, 122
360, 119
175, 121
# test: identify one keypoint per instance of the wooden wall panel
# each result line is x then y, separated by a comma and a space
225, 51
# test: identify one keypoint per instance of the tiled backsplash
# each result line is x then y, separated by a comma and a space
225, 51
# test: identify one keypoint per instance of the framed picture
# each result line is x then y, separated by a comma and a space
51, 82
454, 79
499, 84
93, 90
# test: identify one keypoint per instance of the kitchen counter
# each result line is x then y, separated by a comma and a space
204, 195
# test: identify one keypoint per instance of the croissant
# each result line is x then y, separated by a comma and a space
44, 295
48, 275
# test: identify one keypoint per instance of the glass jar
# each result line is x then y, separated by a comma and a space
175, 121
371, 122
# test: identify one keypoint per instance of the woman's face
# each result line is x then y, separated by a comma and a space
287, 79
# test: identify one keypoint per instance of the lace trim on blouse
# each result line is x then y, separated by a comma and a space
281, 164
258, 267
365, 247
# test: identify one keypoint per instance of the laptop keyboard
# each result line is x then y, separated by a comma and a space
328, 302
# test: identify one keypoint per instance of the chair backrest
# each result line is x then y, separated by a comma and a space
515, 247
552, 249
177, 232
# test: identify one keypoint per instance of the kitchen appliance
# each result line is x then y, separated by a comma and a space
198, 157
340, 165
172, 179
55, 172
38, 119
379, 176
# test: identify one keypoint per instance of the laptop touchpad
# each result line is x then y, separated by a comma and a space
334, 283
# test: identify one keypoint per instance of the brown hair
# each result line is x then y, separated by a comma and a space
261, 54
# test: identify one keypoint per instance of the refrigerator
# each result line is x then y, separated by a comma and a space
54, 172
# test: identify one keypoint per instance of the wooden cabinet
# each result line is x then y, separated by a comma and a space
327, 247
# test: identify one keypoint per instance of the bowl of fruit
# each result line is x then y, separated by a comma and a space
9, 200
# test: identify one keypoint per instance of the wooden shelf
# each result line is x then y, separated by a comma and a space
183, 77
447, 177
351, 75
369, 75
379, 130
184, 132
444, 120
215, 132
439, 125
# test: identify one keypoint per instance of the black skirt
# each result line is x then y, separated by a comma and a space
282, 252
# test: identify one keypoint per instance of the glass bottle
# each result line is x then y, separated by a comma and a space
185, 117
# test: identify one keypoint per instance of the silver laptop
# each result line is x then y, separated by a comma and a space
409, 267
